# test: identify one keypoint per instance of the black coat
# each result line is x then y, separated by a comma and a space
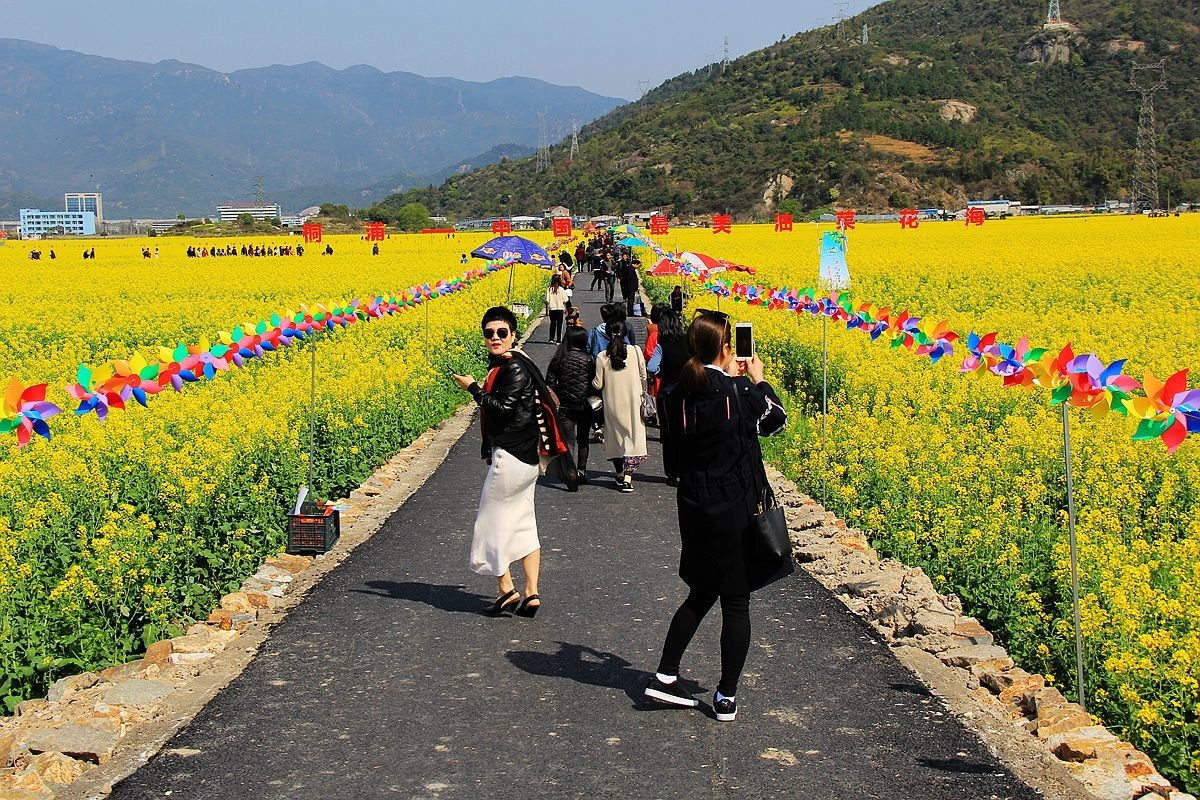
507, 410
720, 465
571, 379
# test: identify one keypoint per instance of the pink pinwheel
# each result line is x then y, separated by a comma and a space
25, 411
975, 360
1096, 387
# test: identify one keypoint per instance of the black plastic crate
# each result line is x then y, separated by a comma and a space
314, 530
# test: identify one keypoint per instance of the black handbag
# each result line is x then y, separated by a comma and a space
771, 548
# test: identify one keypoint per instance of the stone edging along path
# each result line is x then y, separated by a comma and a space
94, 729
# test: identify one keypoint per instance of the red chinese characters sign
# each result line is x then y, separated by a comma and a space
722, 223
783, 222
975, 216
658, 225
311, 231
501, 227
845, 219
908, 218
562, 227
375, 232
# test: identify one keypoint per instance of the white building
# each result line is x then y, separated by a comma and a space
36, 223
229, 212
85, 201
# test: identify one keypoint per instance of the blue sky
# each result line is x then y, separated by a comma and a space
603, 47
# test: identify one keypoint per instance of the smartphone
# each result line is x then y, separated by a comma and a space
743, 341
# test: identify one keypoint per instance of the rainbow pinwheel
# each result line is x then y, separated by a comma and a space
1169, 410
96, 392
26, 411
138, 376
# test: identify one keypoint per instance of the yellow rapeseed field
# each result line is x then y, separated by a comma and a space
964, 477
112, 534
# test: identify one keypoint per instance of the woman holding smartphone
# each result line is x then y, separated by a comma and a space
713, 418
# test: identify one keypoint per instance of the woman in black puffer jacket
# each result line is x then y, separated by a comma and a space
570, 376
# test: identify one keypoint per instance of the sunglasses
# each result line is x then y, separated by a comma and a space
495, 333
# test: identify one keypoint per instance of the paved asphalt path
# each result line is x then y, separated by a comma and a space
388, 682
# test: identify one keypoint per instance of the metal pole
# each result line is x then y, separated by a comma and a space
824, 405
426, 330
312, 411
1074, 554
511, 269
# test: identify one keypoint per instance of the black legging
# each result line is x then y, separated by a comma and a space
735, 635
556, 325
576, 427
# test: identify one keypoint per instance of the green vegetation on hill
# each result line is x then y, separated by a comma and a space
949, 100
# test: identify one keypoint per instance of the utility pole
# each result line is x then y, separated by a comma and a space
1146, 80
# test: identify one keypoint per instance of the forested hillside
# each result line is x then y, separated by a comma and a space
949, 99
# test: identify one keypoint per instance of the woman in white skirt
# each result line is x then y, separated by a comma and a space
621, 379
505, 527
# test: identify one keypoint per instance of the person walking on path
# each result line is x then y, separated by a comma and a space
716, 415
556, 307
506, 527
570, 376
621, 380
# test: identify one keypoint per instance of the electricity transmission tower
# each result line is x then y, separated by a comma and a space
574, 140
841, 17
1054, 15
865, 38
542, 162
260, 194
725, 60
1146, 80
643, 87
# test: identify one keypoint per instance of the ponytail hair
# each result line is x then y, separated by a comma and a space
707, 337
617, 349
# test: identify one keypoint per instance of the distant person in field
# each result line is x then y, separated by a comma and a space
328, 249
375, 249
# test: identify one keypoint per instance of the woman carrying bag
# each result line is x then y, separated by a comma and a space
712, 420
505, 527
621, 380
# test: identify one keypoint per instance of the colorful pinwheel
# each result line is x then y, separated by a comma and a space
26, 411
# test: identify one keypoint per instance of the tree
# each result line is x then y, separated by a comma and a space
790, 205
336, 210
245, 220
413, 217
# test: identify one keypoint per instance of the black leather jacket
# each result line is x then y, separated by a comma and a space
508, 413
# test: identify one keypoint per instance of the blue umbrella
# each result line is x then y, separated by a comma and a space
631, 241
513, 248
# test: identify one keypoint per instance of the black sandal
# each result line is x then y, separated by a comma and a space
509, 601
526, 610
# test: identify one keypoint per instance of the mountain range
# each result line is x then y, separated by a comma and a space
167, 138
911, 103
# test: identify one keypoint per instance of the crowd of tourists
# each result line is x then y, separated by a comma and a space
249, 250
603, 385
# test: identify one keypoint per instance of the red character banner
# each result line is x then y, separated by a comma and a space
562, 227
311, 231
783, 222
375, 232
501, 227
658, 225
845, 219
975, 216
908, 218
722, 223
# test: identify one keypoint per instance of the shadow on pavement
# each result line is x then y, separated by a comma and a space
959, 765
446, 598
593, 667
